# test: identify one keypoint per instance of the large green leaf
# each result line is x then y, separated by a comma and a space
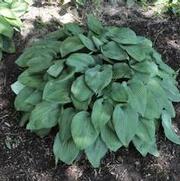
95, 152
88, 43
8, 45
20, 101
79, 105
81, 61
146, 67
34, 81
145, 141
171, 90
137, 96
66, 151
113, 51
101, 113
39, 63
98, 77
44, 115
34, 98
125, 122
118, 92
5, 28
59, 90
82, 130
80, 90
152, 108
94, 24
136, 51
65, 123
73, 28
110, 138
55, 69
121, 70
168, 130
122, 35
70, 44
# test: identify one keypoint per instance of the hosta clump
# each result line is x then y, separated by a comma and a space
103, 88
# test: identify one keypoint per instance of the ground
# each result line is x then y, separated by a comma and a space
26, 157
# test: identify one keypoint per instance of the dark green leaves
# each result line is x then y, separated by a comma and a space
44, 115
113, 51
70, 45
101, 113
168, 130
95, 152
101, 89
94, 24
81, 61
82, 130
125, 122
122, 35
80, 90
65, 151
99, 77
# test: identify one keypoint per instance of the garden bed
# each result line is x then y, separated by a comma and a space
24, 156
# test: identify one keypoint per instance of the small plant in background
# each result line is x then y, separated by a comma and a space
102, 88
10, 13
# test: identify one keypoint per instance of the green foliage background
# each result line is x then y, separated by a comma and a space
10, 13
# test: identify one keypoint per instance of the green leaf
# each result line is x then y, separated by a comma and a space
39, 63
98, 77
8, 45
55, 69
88, 43
34, 81
5, 28
144, 147
113, 51
145, 141
118, 92
20, 103
138, 96
122, 35
34, 98
121, 70
80, 105
152, 108
59, 90
125, 122
146, 67
65, 121
94, 24
80, 90
95, 152
82, 130
110, 138
171, 90
69, 45
101, 113
66, 151
136, 51
81, 61
44, 115
168, 130
17, 87
98, 43
73, 28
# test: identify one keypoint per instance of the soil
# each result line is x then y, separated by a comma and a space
26, 157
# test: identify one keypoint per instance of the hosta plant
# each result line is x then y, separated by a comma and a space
102, 87
10, 12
